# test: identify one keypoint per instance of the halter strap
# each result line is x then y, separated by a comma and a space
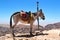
31, 15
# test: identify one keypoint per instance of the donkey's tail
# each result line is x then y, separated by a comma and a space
11, 21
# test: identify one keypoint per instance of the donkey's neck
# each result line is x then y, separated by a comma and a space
36, 15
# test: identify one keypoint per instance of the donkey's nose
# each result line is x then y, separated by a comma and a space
43, 18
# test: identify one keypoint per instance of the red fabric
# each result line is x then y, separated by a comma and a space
24, 15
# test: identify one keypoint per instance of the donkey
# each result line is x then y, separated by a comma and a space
25, 17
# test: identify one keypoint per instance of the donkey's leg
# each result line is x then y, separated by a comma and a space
15, 23
31, 24
13, 29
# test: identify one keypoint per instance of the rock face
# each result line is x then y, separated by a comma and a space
52, 26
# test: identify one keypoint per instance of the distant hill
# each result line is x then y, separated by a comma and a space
4, 25
53, 26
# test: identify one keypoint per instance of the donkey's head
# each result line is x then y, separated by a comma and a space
41, 14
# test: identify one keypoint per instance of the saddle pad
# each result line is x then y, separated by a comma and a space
24, 15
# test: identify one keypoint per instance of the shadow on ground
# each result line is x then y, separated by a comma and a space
31, 35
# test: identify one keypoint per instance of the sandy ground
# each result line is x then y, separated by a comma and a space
53, 34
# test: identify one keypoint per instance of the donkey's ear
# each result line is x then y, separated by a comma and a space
40, 9
22, 11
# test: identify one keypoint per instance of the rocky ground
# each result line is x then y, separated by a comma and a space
53, 34
53, 31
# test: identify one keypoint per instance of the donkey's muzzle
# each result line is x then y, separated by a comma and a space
43, 18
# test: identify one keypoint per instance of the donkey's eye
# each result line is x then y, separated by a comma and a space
43, 16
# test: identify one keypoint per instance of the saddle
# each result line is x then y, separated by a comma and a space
25, 15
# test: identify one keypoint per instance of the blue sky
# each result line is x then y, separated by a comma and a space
51, 9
